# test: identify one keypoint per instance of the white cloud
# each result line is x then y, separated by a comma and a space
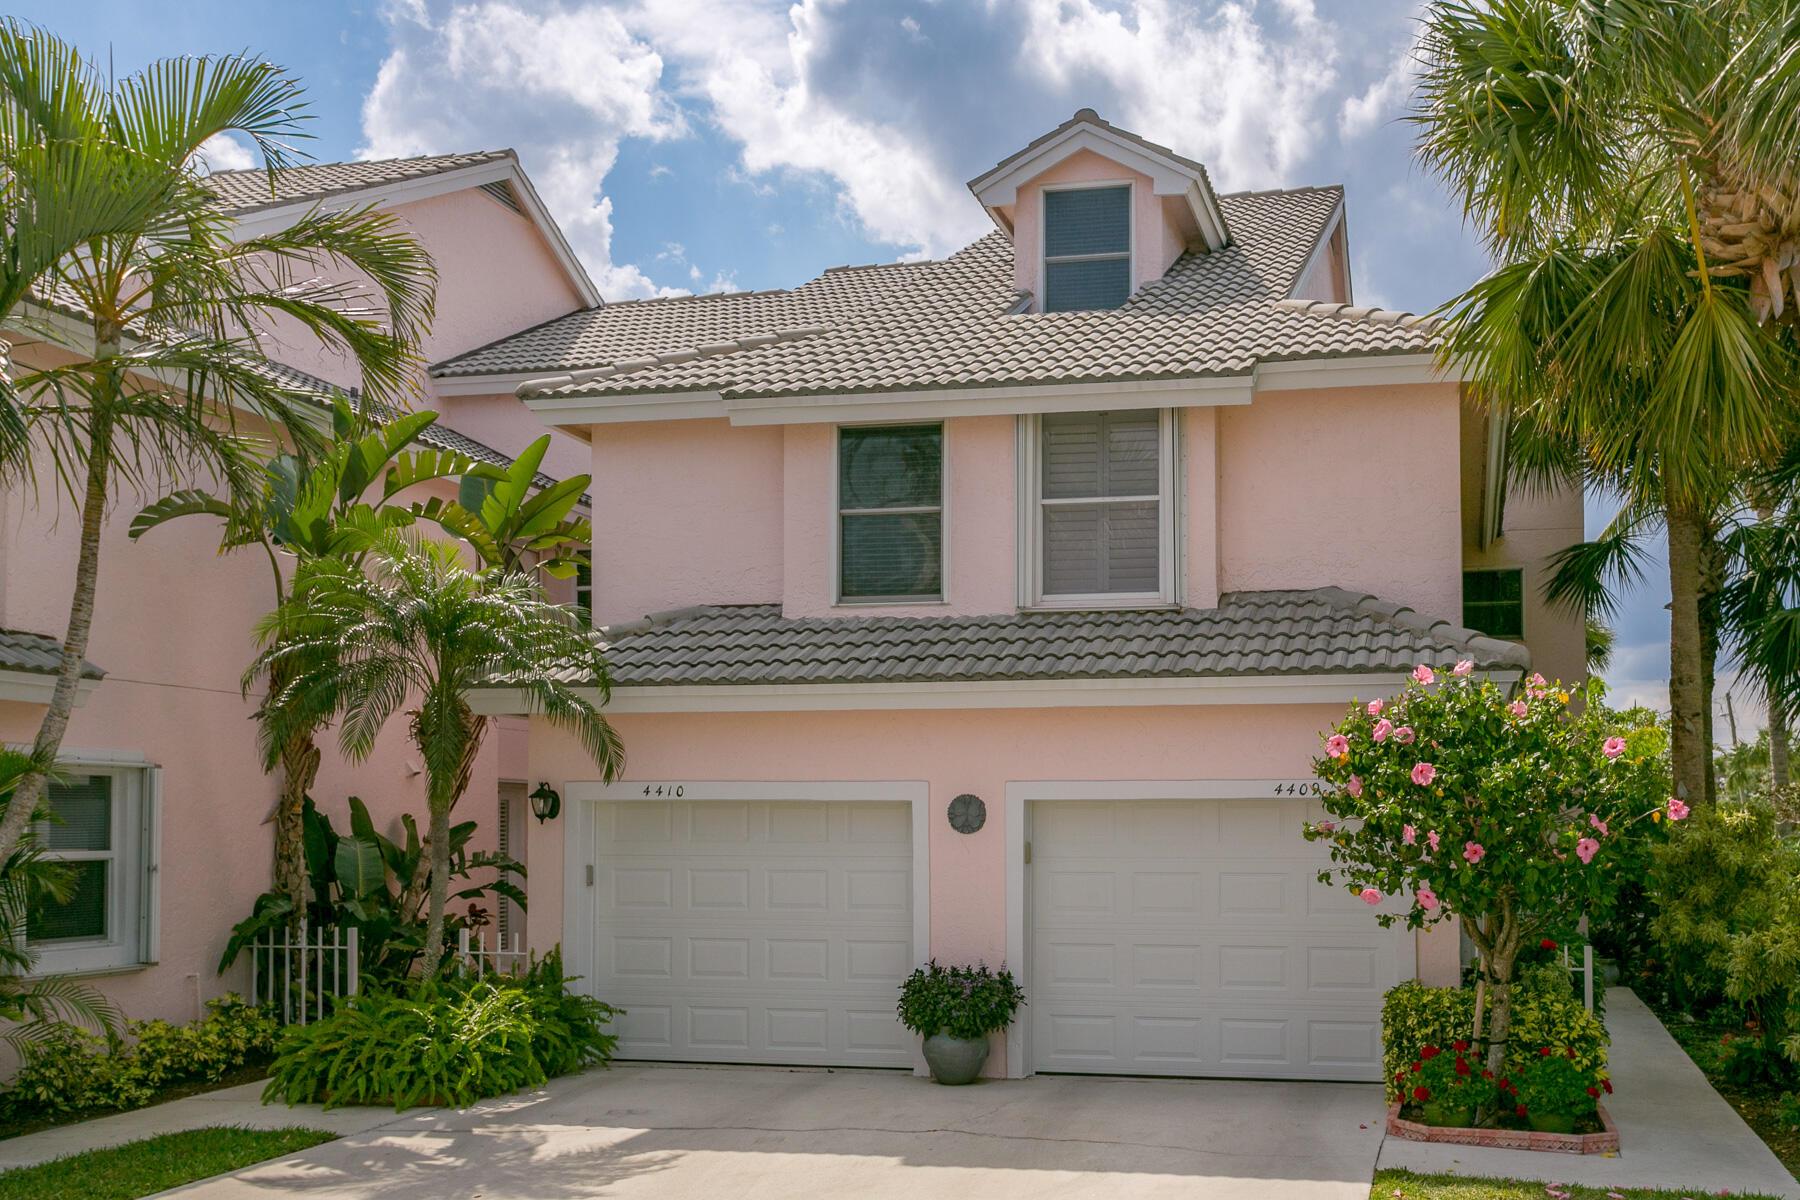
223, 152
1382, 101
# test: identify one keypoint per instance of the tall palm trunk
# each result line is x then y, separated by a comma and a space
1690, 717
443, 795
299, 768
1778, 742
28, 793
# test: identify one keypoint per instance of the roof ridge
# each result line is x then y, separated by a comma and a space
872, 266
1282, 191
625, 366
366, 162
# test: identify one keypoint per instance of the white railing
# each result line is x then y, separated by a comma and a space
300, 971
1585, 970
504, 953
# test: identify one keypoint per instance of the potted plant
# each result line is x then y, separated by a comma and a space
1554, 1093
1446, 1086
955, 1009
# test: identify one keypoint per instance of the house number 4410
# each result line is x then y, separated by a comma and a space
665, 791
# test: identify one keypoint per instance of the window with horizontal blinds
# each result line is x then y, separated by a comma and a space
1101, 503
1087, 248
80, 835
890, 512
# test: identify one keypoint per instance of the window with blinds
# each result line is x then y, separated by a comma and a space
1087, 248
81, 835
890, 513
1102, 505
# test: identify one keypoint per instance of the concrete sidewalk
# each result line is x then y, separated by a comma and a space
1675, 1131
241, 1106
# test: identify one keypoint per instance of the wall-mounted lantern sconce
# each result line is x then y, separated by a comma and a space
545, 803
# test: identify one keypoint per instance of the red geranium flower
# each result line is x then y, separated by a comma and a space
1421, 1094
1594, 1092
1462, 1066
1520, 1110
1459, 1046
1429, 1052
1547, 944
1544, 1051
1607, 1084
1486, 1074
1571, 1053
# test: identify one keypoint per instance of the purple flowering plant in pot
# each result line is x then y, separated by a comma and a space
955, 1009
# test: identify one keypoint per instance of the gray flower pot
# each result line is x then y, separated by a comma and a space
954, 1060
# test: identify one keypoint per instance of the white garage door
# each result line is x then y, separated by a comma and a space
1192, 938
755, 931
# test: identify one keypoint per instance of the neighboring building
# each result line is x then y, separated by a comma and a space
164, 798
1099, 521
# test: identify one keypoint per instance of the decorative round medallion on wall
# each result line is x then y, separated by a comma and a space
967, 813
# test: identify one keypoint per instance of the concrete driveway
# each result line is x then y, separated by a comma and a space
664, 1132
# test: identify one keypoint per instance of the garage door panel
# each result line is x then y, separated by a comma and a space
755, 931
1192, 938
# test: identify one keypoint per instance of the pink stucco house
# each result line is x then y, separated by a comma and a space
984, 608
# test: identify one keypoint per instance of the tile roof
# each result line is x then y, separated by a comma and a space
952, 324
1317, 632
37, 654
601, 336
249, 190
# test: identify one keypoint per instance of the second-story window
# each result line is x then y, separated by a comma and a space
1087, 248
1102, 489
890, 513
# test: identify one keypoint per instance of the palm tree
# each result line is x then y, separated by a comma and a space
304, 503
1631, 166
166, 308
413, 625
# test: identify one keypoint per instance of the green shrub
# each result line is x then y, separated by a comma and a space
71, 1070
446, 1041
1552, 1083
963, 1002
1546, 1012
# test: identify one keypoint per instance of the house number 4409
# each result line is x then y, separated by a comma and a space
665, 791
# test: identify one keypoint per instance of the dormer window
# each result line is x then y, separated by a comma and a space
1087, 247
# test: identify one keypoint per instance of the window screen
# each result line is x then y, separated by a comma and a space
1087, 248
1494, 602
80, 835
890, 512
1101, 503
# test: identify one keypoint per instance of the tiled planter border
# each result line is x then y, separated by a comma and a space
1605, 1142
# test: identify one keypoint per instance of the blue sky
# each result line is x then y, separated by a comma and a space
699, 145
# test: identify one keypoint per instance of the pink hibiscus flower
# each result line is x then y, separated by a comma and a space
1370, 896
1375, 707
1382, 728
1678, 810
1474, 852
1597, 823
1614, 747
1409, 835
1423, 773
1585, 850
1326, 826
1336, 746
1432, 837
1427, 899
1404, 735
1424, 674
1465, 667
1354, 787
1518, 708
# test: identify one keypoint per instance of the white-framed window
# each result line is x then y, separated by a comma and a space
1098, 509
584, 586
103, 826
1087, 246
890, 513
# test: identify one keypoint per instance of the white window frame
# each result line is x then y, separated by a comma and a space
133, 892
1131, 238
1031, 505
839, 512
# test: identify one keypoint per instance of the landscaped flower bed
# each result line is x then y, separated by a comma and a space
1549, 1100
1500, 1137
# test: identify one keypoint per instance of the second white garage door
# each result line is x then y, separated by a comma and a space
755, 931
1192, 938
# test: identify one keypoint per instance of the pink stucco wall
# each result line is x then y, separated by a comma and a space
977, 751
1156, 240
685, 512
503, 422
496, 276
1352, 487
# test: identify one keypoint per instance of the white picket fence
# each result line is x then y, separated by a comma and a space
503, 953
1585, 970
300, 971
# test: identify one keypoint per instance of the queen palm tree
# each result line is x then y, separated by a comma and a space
165, 307
412, 624
1631, 165
303, 504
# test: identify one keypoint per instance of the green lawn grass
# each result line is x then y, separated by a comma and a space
153, 1164
1408, 1186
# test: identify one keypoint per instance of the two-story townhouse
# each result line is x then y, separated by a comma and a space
991, 608
163, 799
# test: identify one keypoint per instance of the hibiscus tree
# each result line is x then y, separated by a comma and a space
1515, 813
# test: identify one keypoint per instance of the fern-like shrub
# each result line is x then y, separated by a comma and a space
444, 1042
